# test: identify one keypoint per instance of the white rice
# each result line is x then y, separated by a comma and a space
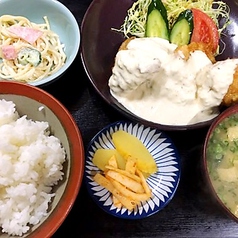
30, 164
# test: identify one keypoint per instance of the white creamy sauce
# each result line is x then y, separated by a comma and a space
156, 84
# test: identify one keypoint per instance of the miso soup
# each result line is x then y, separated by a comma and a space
222, 160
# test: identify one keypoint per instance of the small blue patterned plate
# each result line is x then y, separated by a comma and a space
162, 183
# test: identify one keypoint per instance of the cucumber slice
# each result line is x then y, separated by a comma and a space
182, 29
29, 55
157, 22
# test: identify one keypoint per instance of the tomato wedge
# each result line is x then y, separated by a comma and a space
205, 29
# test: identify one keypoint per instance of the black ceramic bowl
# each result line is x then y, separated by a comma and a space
220, 161
99, 45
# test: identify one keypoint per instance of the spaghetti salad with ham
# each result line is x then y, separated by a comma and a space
28, 51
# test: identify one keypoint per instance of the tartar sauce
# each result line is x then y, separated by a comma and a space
159, 85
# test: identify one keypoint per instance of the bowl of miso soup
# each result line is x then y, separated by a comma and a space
220, 160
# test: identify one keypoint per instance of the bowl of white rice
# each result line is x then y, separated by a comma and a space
41, 161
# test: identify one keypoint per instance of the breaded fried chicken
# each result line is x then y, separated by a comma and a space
187, 49
231, 96
124, 44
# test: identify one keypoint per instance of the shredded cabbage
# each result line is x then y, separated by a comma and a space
135, 20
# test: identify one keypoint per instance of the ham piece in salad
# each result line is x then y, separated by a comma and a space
9, 52
26, 33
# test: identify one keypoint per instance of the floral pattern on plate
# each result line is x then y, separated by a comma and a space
163, 183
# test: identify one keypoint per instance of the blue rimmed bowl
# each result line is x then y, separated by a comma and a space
163, 183
62, 22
